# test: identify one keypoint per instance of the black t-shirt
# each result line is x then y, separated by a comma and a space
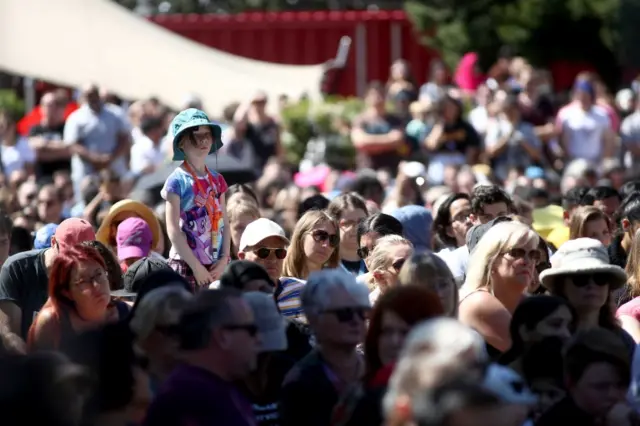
50, 133
23, 281
459, 136
538, 114
266, 405
263, 138
381, 126
354, 266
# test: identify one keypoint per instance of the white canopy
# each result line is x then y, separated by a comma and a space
73, 42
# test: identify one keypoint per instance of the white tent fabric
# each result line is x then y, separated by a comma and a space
74, 42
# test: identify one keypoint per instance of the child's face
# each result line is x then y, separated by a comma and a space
200, 145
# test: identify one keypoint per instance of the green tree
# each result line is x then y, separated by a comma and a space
543, 31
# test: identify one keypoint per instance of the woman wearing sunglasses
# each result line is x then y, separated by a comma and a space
581, 274
385, 262
314, 245
501, 268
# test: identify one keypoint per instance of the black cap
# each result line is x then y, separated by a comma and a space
145, 275
475, 234
238, 273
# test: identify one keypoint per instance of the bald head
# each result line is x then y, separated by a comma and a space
91, 96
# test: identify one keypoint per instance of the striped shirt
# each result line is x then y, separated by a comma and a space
289, 297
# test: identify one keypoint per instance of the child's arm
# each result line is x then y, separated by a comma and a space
226, 232
176, 236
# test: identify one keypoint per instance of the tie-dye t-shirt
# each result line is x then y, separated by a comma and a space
194, 218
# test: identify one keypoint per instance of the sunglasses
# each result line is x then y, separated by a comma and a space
520, 253
583, 280
264, 252
397, 265
363, 252
348, 314
251, 329
322, 236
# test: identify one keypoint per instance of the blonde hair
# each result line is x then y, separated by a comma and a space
423, 269
496, 241
241, 206
379, 257
295, 262
581, 216
633, 268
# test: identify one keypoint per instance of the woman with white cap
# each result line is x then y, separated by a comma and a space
581, 273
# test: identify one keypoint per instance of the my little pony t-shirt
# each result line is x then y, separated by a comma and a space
194, 217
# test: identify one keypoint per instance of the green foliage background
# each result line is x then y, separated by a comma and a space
10, 102
543, 31
304, 120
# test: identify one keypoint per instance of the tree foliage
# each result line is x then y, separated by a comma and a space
543, 31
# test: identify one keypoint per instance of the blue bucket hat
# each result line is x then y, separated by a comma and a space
44, 235
190, 118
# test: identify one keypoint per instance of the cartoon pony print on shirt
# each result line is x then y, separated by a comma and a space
197, 228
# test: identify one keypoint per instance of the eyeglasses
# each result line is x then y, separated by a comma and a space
251, 329
99, 277
397, 265
364, 252
583, 280
322, 236
520, 253
348, 314
265, 252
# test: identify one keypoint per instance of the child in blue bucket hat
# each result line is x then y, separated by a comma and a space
195, 202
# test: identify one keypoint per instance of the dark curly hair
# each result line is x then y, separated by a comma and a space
485, 195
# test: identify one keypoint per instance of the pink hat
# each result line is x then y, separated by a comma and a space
133, 238
73, 231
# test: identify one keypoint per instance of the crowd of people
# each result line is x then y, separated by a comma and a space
480, 266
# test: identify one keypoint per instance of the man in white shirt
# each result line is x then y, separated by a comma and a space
584, 127
99, 137
146, 153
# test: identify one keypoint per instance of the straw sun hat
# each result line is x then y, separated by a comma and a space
123, 210
582, 256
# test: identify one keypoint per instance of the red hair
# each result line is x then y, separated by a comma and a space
65, 263
412, 303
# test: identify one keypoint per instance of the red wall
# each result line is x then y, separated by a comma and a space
305, 38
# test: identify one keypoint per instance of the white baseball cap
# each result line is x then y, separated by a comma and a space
259, 230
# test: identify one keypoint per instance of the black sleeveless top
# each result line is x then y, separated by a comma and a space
68, 335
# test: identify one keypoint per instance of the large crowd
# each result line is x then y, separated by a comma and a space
479, 266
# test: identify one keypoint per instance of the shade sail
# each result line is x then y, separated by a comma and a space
73, 42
